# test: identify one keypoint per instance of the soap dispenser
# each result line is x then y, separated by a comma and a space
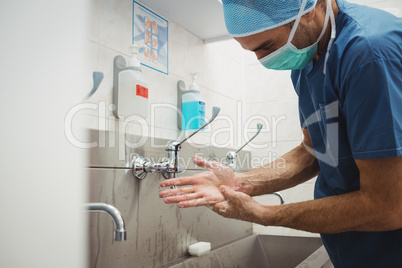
193, 106
130, 90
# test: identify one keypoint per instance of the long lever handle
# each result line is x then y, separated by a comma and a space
259, 127
97, 78
215, 112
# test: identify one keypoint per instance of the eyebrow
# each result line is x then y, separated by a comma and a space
267, 43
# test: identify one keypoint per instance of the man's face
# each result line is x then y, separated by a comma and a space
263, 44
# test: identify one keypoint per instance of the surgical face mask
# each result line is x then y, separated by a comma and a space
290, 57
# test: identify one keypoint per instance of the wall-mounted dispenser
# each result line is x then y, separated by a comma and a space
130, 90
191, 105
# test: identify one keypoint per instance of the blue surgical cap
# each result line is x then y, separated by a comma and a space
248, 17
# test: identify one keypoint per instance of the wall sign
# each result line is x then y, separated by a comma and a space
151, 30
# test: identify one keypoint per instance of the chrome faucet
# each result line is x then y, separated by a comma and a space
169, 166
231, 158
120, 232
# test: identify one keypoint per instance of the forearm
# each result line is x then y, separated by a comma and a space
293, 168
354, 211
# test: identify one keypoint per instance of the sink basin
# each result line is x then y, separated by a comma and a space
263, 251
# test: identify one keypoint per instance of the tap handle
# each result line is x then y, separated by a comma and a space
97, 80
259, 127
215, 112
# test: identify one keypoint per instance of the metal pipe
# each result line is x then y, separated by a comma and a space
120, 232
280, 197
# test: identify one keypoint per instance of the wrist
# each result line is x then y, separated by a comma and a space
245, 185
266, 215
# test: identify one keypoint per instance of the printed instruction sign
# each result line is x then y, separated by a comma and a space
151, 30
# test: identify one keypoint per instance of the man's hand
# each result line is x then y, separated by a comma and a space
204, 187
239, 206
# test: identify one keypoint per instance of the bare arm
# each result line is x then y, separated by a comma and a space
377, 206
295, 167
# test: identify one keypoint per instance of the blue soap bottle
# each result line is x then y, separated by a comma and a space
193, 107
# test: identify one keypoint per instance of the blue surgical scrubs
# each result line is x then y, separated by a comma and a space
354, 111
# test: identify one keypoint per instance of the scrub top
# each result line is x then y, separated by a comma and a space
355, 112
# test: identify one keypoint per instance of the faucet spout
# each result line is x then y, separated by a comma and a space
120, 231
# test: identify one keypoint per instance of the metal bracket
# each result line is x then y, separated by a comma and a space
119, 65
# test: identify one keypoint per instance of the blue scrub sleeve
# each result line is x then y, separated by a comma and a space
301, 118
373, 109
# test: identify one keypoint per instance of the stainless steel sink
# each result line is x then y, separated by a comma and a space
257, 251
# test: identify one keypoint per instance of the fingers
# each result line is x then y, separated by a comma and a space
236, 199
183, 181
174, 192
238, 205
228, 193
221, 208
177, 181
181, 198
227, 210
201, 162
195, 203
179, 195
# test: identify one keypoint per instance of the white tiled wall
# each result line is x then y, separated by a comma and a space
221, 79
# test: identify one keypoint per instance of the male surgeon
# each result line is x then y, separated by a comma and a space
347, 73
